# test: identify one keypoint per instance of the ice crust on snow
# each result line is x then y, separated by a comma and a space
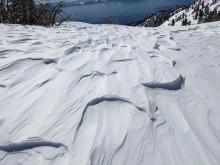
84, 94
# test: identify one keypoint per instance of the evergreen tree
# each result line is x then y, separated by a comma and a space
201, 14
173, 22
27, 12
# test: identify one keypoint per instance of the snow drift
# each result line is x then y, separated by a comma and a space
87, 94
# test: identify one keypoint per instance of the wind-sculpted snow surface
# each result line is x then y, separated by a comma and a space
85, 94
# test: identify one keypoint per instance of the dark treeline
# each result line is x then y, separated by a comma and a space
28, 13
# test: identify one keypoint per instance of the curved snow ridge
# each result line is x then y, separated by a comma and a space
173, 85
124, 60
45, 61
96, 73
26, 145
8, 51
43, 83
108, 98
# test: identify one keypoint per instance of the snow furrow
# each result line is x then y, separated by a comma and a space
173, 85
15, 147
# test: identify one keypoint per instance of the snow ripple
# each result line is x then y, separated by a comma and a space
109, 95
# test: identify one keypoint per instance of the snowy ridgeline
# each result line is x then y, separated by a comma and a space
201, 11
87, 94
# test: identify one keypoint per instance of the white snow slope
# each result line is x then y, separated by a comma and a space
87, 94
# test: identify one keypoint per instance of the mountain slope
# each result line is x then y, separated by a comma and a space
200, 12
159, 17
109, 95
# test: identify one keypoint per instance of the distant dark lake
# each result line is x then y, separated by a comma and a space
124, 12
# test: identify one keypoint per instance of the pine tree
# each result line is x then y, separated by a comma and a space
201, 14
27, 12
173, 22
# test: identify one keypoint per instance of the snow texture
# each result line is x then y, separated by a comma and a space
84, 94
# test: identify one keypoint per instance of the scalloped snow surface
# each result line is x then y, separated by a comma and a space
84, 94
